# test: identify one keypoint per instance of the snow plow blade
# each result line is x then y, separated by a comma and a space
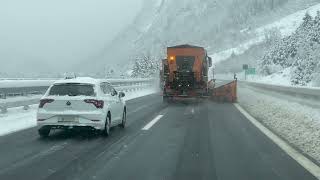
225, 93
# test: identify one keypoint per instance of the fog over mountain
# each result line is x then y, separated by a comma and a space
97, 35
39, 36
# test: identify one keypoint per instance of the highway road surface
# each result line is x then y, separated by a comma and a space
184, 140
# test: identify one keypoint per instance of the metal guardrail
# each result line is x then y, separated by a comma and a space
21, 91
7, 93
28, 78
302, 92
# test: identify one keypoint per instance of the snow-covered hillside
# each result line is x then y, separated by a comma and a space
285, 51
286, 25
216, 25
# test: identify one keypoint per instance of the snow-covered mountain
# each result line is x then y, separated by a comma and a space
210, 23
285, 25
216, 25
288, 47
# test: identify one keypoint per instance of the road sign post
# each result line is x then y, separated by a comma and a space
250, 71
245, 67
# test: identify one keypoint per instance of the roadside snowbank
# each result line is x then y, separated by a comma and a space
279, 78
297, 123
17, 119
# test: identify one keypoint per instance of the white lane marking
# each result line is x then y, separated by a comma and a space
301, 159
151, 123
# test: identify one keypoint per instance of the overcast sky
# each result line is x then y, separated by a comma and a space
51, 33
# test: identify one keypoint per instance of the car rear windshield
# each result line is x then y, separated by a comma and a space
72, 89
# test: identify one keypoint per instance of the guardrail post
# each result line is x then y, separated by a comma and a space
26, 107
3, 109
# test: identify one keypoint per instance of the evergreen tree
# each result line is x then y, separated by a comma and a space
315, 32
145, 67
300, 51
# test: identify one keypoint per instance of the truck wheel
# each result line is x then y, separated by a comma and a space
44, 132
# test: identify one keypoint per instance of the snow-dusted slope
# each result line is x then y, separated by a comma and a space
215, 25
286, 26
162, 23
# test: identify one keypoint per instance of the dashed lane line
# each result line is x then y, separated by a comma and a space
151, 123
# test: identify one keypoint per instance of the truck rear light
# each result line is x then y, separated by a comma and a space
98, 104
45, 101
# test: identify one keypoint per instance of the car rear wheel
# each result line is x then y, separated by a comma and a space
167, 100
107, 126
124, 119
44, 132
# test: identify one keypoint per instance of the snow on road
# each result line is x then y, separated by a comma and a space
286, 26
17, 119
297, 122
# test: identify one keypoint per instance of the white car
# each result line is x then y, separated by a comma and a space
81, 103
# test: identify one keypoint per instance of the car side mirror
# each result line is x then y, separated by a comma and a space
210, 61
122, 94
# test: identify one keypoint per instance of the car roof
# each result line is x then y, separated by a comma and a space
83, 80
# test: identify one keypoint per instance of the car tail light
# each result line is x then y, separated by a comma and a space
98, 104
45, 101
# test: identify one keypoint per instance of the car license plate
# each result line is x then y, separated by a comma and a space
68, 119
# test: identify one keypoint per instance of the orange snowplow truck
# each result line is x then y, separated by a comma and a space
185, 72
